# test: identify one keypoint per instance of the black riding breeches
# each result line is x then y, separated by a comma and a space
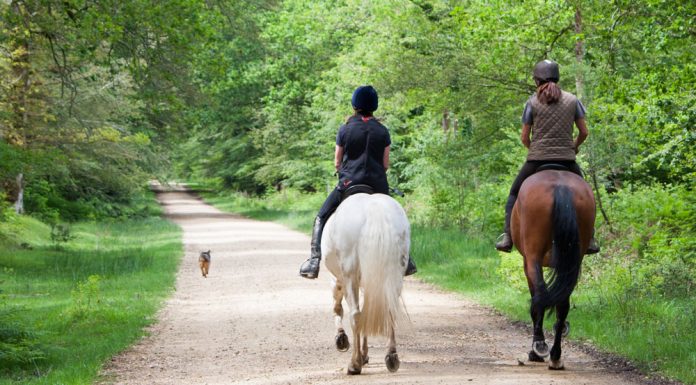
330, 205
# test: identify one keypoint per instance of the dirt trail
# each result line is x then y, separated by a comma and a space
255, 321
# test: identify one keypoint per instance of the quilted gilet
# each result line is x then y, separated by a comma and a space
552, 129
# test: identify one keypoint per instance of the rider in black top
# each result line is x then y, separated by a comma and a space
361, 158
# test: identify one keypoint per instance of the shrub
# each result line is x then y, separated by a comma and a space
18, 346
656, 250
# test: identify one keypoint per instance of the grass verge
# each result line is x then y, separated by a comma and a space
656, 334
67, 307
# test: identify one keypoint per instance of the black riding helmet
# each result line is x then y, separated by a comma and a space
546, 71
365, 99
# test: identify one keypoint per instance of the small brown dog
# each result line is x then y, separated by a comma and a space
204, 262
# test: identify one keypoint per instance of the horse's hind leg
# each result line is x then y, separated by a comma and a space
392, 359
561, 314
342, 343
535, 280
352, 297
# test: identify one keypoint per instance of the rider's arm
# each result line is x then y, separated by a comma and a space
584, 133
385, 160
338, 159
526, 129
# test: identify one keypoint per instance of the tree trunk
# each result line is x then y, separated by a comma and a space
19, 203
599, 200
579, 54
445, 122
20, 89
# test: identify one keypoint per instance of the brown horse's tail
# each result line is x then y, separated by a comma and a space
565, 251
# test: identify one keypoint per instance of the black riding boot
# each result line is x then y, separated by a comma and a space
593, 248
310, 267
505, 244
410, 267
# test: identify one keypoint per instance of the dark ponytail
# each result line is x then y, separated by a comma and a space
548, 93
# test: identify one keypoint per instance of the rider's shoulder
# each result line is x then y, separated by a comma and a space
568, 95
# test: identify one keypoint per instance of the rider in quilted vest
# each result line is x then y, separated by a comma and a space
549, 116
361, 158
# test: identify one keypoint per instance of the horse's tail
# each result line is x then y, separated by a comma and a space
565, 251
383, 245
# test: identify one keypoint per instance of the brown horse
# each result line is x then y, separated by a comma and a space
552, 223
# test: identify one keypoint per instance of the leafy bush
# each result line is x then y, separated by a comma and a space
655, 253
5, 208
18, 346
61, 233
86, 297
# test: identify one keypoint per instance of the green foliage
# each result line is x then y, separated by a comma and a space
60, 234
6, 211
18, 344
511, 264
86, 297
85, 88
654, 252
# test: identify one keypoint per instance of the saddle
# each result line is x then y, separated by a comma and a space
552, 166
357, 189
366, 189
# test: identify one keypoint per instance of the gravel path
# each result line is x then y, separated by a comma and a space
255, 321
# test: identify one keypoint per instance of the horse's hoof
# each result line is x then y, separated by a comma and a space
352, 371
392, 361
366, 360
540, 348
342, 343
533, 357
566, 328
556, 365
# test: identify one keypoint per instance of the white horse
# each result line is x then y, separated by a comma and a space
366, 246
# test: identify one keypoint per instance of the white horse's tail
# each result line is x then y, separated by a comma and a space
383, 251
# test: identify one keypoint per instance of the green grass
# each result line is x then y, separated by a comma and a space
452, 261
655, 333
70, 308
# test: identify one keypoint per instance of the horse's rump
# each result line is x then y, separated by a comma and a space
532, 216
369, 236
